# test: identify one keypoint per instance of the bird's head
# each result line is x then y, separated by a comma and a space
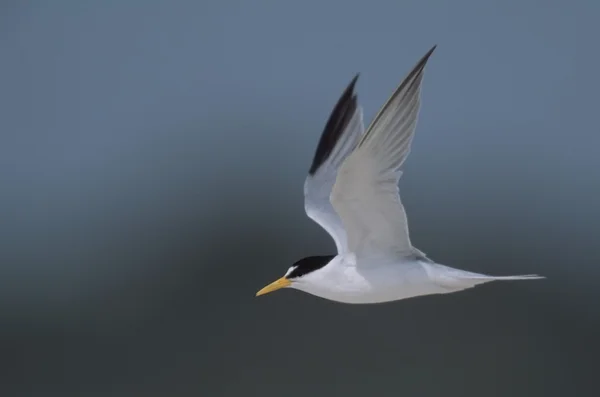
302, 271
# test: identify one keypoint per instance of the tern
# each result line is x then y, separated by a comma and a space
352, 192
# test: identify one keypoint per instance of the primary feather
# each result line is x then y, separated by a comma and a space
338, 139
365, 193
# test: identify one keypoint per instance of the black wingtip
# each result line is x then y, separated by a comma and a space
409, 79
425, 58
336, 124
422, 62
353, 82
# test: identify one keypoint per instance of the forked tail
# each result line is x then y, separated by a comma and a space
455, 279
471, 280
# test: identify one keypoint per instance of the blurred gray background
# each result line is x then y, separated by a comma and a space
152, 159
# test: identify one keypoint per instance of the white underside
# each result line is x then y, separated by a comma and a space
381, 279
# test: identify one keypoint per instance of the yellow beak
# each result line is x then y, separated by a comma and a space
274, 286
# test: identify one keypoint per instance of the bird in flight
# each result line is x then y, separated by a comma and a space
351, 191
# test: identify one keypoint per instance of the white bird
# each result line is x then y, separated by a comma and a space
352, 191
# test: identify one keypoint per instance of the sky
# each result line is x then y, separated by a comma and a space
152, 158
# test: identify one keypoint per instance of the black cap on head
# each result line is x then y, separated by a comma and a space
308, 265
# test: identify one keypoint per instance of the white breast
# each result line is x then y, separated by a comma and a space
379, 280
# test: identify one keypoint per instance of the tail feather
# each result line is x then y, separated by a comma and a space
452, 279
470, 281
500, 278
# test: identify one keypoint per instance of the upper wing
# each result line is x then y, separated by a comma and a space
365, 193
338, 139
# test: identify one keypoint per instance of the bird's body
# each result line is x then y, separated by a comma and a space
352, 192
384, 278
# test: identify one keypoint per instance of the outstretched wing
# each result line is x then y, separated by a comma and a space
339, 137
365, 193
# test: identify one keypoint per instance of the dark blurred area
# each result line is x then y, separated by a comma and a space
152, 161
